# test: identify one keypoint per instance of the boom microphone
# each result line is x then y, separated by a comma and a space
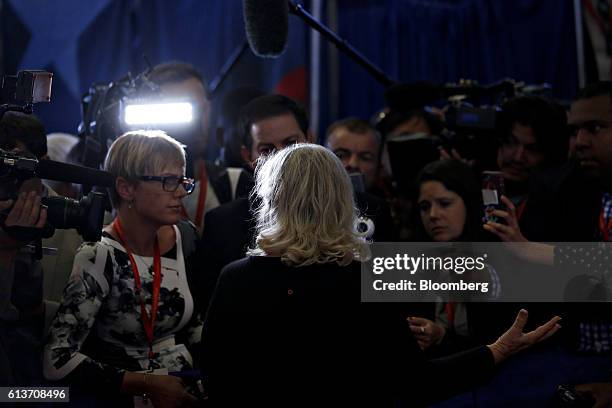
266, 23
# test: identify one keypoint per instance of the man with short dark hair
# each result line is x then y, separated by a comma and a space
533, 136
533, 148
269, 123
357, 145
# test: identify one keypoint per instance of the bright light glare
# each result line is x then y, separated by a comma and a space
158, 113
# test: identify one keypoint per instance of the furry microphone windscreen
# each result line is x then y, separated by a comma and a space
266, 23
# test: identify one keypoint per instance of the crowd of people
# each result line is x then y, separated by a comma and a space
240, 284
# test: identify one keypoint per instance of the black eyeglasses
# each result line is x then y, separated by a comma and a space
172, 183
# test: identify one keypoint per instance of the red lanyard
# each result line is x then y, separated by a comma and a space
603, 227
201, 197
148, 321
450, 314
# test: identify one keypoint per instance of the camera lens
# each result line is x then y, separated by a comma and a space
63, 212
85, 215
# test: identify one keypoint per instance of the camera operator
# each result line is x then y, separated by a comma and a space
215, 184
22, 312
26, 134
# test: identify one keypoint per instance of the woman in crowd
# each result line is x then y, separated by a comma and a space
285, 325
449, 209
128, 312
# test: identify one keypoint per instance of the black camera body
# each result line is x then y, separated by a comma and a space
471, 116
14, 169
85, 215
470, 124
101, 113
19, 92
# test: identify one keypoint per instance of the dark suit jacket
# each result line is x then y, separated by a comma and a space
565, 207
299, 336
562, 207
229, 230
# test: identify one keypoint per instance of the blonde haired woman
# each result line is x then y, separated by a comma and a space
127, 308
285, 326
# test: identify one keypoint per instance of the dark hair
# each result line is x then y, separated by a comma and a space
234, 101
547, 119
269, 106
353, 125
27, 129
395, 118
459, 178
175, 71
228, 117
595, 89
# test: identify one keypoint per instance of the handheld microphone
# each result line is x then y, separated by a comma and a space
266, 23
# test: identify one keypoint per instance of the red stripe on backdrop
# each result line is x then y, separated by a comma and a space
294, 84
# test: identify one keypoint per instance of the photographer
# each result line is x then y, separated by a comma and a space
26, 135
22, 309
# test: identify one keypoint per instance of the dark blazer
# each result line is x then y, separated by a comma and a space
565, 207
229, 231
220, 181
562, 207
299, 336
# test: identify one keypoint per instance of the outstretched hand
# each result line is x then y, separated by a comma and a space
515, 340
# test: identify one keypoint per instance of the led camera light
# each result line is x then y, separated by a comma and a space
158, 113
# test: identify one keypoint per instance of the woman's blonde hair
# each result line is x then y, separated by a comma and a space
306, 213
140, 153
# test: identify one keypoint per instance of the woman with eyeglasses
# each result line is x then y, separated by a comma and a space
127, 317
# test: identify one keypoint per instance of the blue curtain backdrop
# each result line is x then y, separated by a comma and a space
440, 40
446, 40
83, 42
